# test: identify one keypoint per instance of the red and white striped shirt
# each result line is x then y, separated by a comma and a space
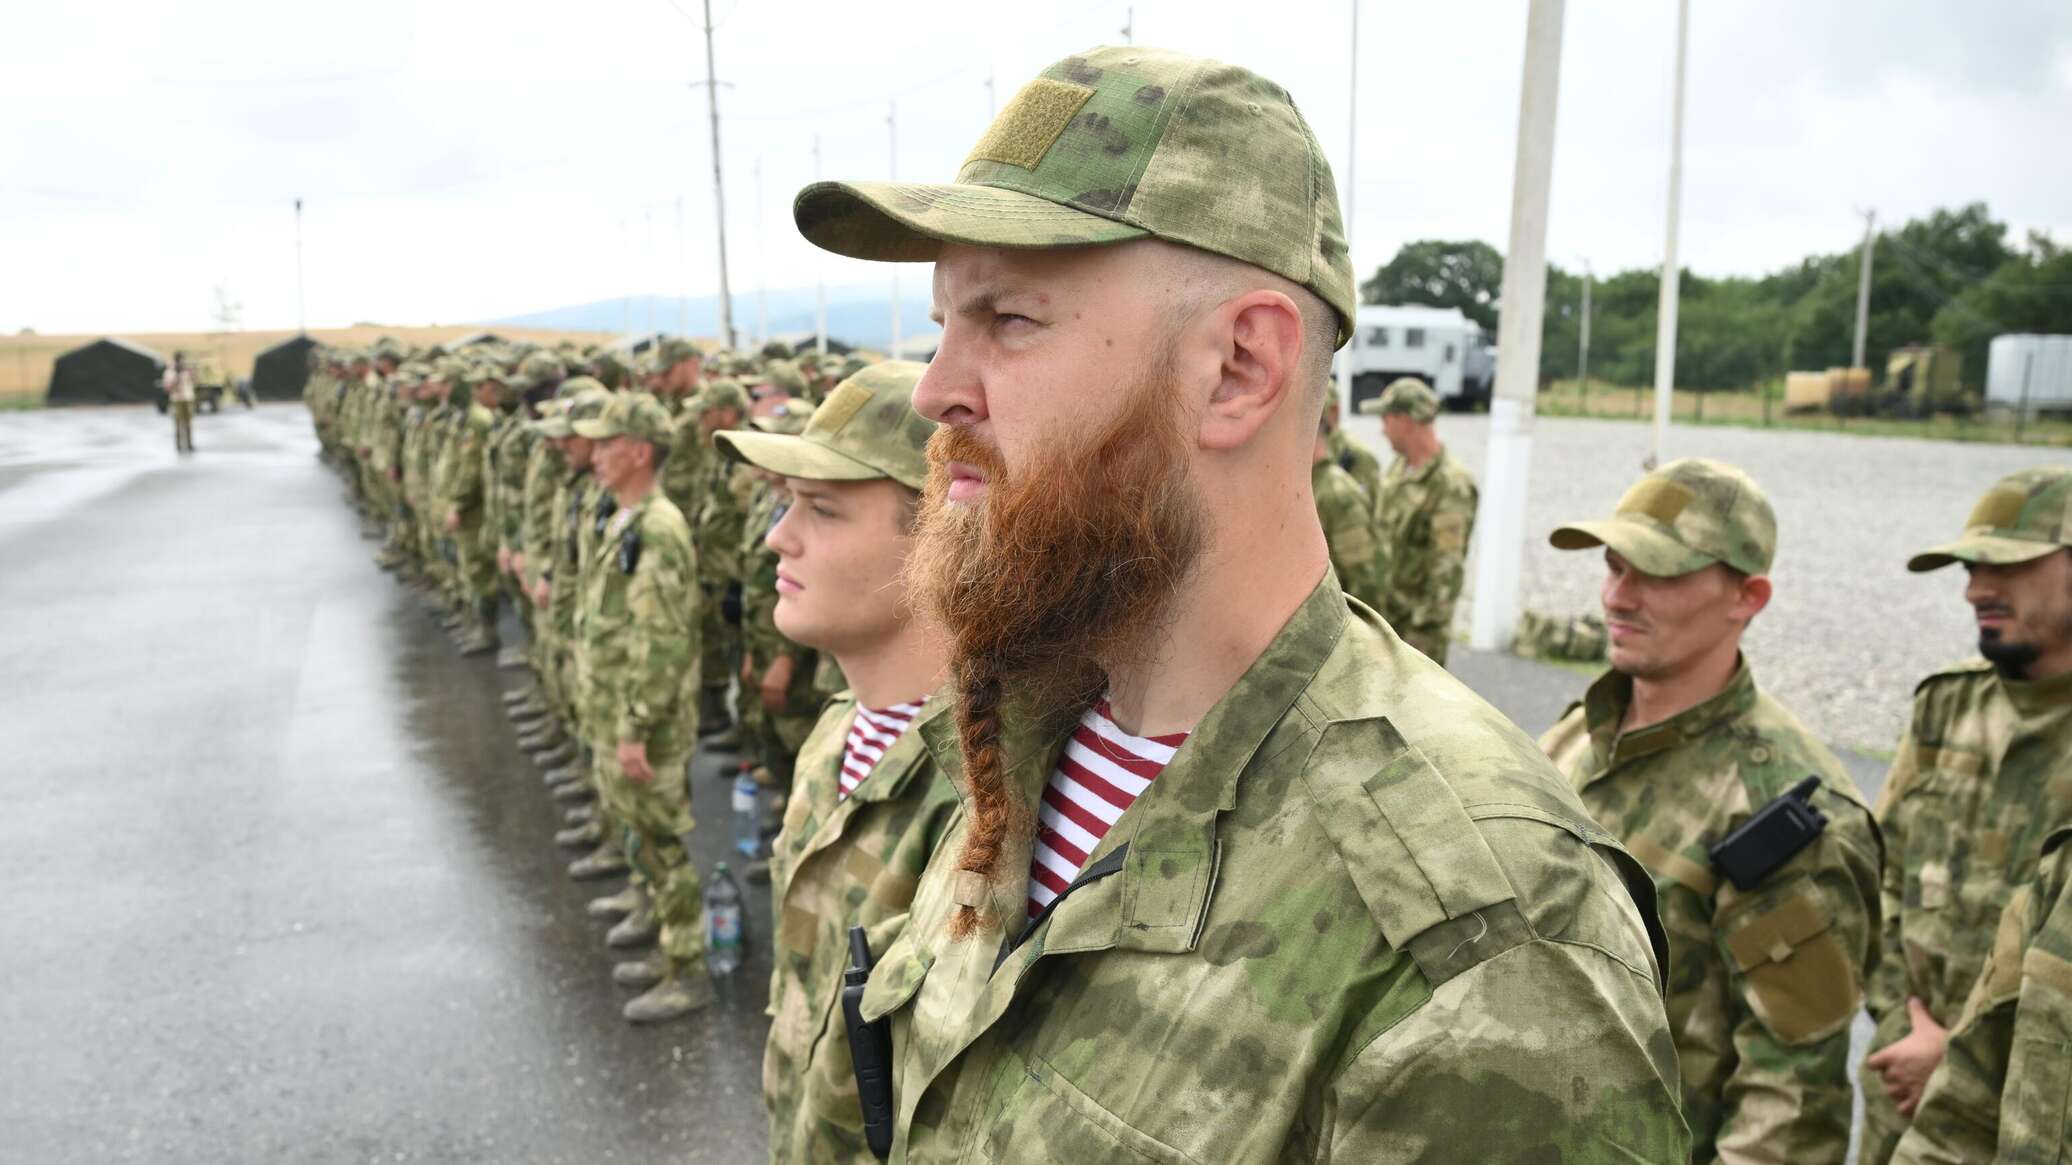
871, 733
1102, 771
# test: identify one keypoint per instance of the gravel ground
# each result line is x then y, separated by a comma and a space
1849, 632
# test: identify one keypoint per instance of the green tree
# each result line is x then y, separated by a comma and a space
2031, 292
1466, 275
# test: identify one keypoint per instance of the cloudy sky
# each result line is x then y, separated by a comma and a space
465, 160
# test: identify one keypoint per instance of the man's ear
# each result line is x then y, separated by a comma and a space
1754, 596
1260, 337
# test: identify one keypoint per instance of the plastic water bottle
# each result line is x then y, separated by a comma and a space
748, 823
723, 935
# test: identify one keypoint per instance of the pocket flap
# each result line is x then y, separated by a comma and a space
1772, 936
895, 980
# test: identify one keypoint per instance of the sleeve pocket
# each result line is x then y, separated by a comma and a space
1799, 980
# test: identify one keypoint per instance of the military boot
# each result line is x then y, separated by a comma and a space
645, 971
530, 720
568, 772
539, 733
577, 790
477, 641
683, 992
604, 861
578, 836
580, 814
556, 756
482, 637
617, 905
511, 657
523, 693
637, 929
713, 715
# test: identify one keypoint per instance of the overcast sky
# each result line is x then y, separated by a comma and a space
467, 160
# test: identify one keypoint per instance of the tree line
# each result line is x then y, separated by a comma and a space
1952, 277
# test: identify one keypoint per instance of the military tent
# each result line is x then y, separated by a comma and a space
279, 372
107, 371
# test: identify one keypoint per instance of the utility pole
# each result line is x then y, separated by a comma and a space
892, 174
1498, 567
819, 275
1352, 145
1665, 311
762, 267
301, 321
1583, 342
719, 189
1129, 25
648, 216
992, 99
1863, 287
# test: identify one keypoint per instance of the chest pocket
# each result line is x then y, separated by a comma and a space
1047, 1118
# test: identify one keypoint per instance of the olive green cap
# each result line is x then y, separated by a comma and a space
1683, 517
1111, 145
2023, 517
720, 394
674, 351
786, 375
788, 416
628, 414
582, 405
1406, 394
866, 429
536, 369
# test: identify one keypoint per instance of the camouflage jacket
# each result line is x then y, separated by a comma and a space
684, 470
1977, 781
1763, 983
1358, 918
1999, 1093
544, 527
840, 862
1355, 458
510, 452
1423, 519
582, 509
723, 520
1348, 521
460, 472
639, 628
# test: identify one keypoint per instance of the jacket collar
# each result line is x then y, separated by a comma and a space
1604, 705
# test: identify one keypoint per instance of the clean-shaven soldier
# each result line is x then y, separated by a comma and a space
868, 807
1676, 751
1977, 783
1313, 900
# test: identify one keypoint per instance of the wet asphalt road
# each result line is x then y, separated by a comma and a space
276, 882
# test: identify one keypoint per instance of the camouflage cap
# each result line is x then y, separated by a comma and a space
2023, 517
674, 351
866, 429
552, 420
1407, 394
628, 414
788, 415
538, 369
721, 394
1117, 144
786, 375
584, 405
1683, 517
576, 386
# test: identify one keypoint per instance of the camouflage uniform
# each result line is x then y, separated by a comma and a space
638, 626
1348, 521
1423, 517
1976, 784
1573, 637
1999, 1093
1358, 460
721, 521
462, 490
1763, 983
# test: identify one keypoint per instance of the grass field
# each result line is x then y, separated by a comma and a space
1749, 408
25, 360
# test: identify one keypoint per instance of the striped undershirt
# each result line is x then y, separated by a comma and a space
1102, 771
872, 733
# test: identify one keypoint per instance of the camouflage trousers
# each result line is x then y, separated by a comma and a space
476, 563
718, 638
652, 820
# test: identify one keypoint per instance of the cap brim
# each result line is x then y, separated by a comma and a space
1648, 550
555, 428
903, 222
1989, 549
596, 429
789, 456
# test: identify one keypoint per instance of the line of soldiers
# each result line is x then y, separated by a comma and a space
1133, 835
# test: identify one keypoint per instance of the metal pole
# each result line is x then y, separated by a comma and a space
892, 174
1665, 312
648, 215
301, 321
1129, 25
1500, 564
992, 99
719, 189
1863, 288
683, 265
762, 267
1583, 342
2021, 412
1352, 145
819, 275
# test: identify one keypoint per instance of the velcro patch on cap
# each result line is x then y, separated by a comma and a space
2000, 508
1031, 123
841, 407
1658, 498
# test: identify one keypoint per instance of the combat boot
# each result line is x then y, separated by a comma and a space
683, 992
645, 971
520, 696
511, 657
477, 642
574, 791
603, 862
637, 929
530, 721
568, 772
580, 814
556, 756
713, 715
578, 836
727, 739
617, 905
542, 734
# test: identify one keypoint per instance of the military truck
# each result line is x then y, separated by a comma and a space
1440, 346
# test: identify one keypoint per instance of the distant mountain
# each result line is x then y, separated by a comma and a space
860, 316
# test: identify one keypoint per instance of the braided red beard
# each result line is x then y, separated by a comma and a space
1053, 575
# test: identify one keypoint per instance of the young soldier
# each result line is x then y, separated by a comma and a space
1423, 518
868, 806
464, 498
638, 625
1347, 515
1239, 877
1977, 783
1675, 749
